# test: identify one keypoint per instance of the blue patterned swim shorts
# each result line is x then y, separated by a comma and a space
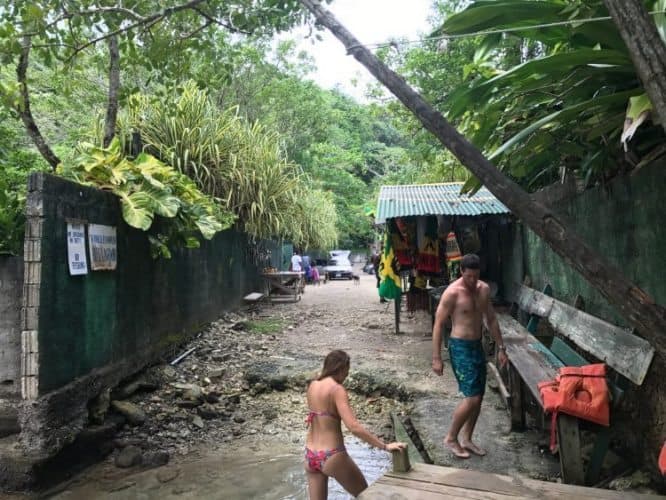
469, 366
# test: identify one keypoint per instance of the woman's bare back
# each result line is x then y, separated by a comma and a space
325, 430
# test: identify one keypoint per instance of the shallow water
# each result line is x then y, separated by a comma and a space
238, 475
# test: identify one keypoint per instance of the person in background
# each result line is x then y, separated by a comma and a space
296, 262
306, 268
467, 302
376, 260
314, 273
325, 453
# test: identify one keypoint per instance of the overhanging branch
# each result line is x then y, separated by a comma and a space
146, 21
114, 85
24, 108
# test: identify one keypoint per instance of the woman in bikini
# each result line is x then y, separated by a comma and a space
325, 454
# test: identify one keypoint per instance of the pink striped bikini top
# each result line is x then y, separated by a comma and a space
316, 413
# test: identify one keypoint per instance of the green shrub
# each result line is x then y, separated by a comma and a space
148, 188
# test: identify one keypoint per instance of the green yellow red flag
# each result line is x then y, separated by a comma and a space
390, 286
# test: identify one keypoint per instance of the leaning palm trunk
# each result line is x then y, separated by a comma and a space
635, 304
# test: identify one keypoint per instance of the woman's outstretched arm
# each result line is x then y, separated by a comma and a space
341, 399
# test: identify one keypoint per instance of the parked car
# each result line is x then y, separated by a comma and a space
338, 265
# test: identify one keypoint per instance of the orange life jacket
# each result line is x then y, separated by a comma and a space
580, 391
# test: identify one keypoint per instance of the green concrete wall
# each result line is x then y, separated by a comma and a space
143, 307
624, 222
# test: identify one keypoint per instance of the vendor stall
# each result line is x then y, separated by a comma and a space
427, 230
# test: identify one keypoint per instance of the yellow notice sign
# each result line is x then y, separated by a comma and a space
103, 246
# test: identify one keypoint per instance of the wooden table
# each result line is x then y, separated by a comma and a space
284, 284
430, 482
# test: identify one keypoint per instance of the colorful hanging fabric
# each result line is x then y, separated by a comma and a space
428, 259
580, 391
401, 250
452, 248
402, 226
390, 286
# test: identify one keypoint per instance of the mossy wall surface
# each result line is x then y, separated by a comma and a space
624, 221
144, 306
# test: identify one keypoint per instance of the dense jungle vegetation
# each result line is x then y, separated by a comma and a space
209, 108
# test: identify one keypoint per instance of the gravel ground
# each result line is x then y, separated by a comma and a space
229, 417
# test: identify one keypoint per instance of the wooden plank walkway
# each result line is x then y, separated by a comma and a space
431, 482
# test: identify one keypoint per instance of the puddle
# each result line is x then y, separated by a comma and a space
239, 475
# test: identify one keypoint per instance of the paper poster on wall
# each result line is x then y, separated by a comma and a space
76, 249
103, 247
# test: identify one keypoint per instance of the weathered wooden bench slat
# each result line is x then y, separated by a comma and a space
534, 303
527, 355
570, 357
253, 297
532, 362
618, 347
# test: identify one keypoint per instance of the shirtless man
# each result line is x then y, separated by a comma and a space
466, 301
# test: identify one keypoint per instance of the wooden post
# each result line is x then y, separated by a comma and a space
533, 322
401, 460
568, 440
500, 384
517, 410
397, 314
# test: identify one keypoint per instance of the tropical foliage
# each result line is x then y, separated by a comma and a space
239, 163
148, 188
17, 161
563, 106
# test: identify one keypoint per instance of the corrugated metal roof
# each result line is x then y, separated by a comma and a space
434, 199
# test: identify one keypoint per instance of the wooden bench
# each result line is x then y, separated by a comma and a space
532, 361
253, 300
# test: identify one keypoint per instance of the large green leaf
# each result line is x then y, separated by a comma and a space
208, 225
638, 111
162, 201
563, 116
484, 15
137, 209
538, 73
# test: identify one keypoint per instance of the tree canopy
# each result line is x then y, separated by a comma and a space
113, 67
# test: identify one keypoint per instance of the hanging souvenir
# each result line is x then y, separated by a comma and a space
428, 259
452, 248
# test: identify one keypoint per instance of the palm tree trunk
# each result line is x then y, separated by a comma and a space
646, 48
634, 304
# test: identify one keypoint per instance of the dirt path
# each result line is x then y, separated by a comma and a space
230, 415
